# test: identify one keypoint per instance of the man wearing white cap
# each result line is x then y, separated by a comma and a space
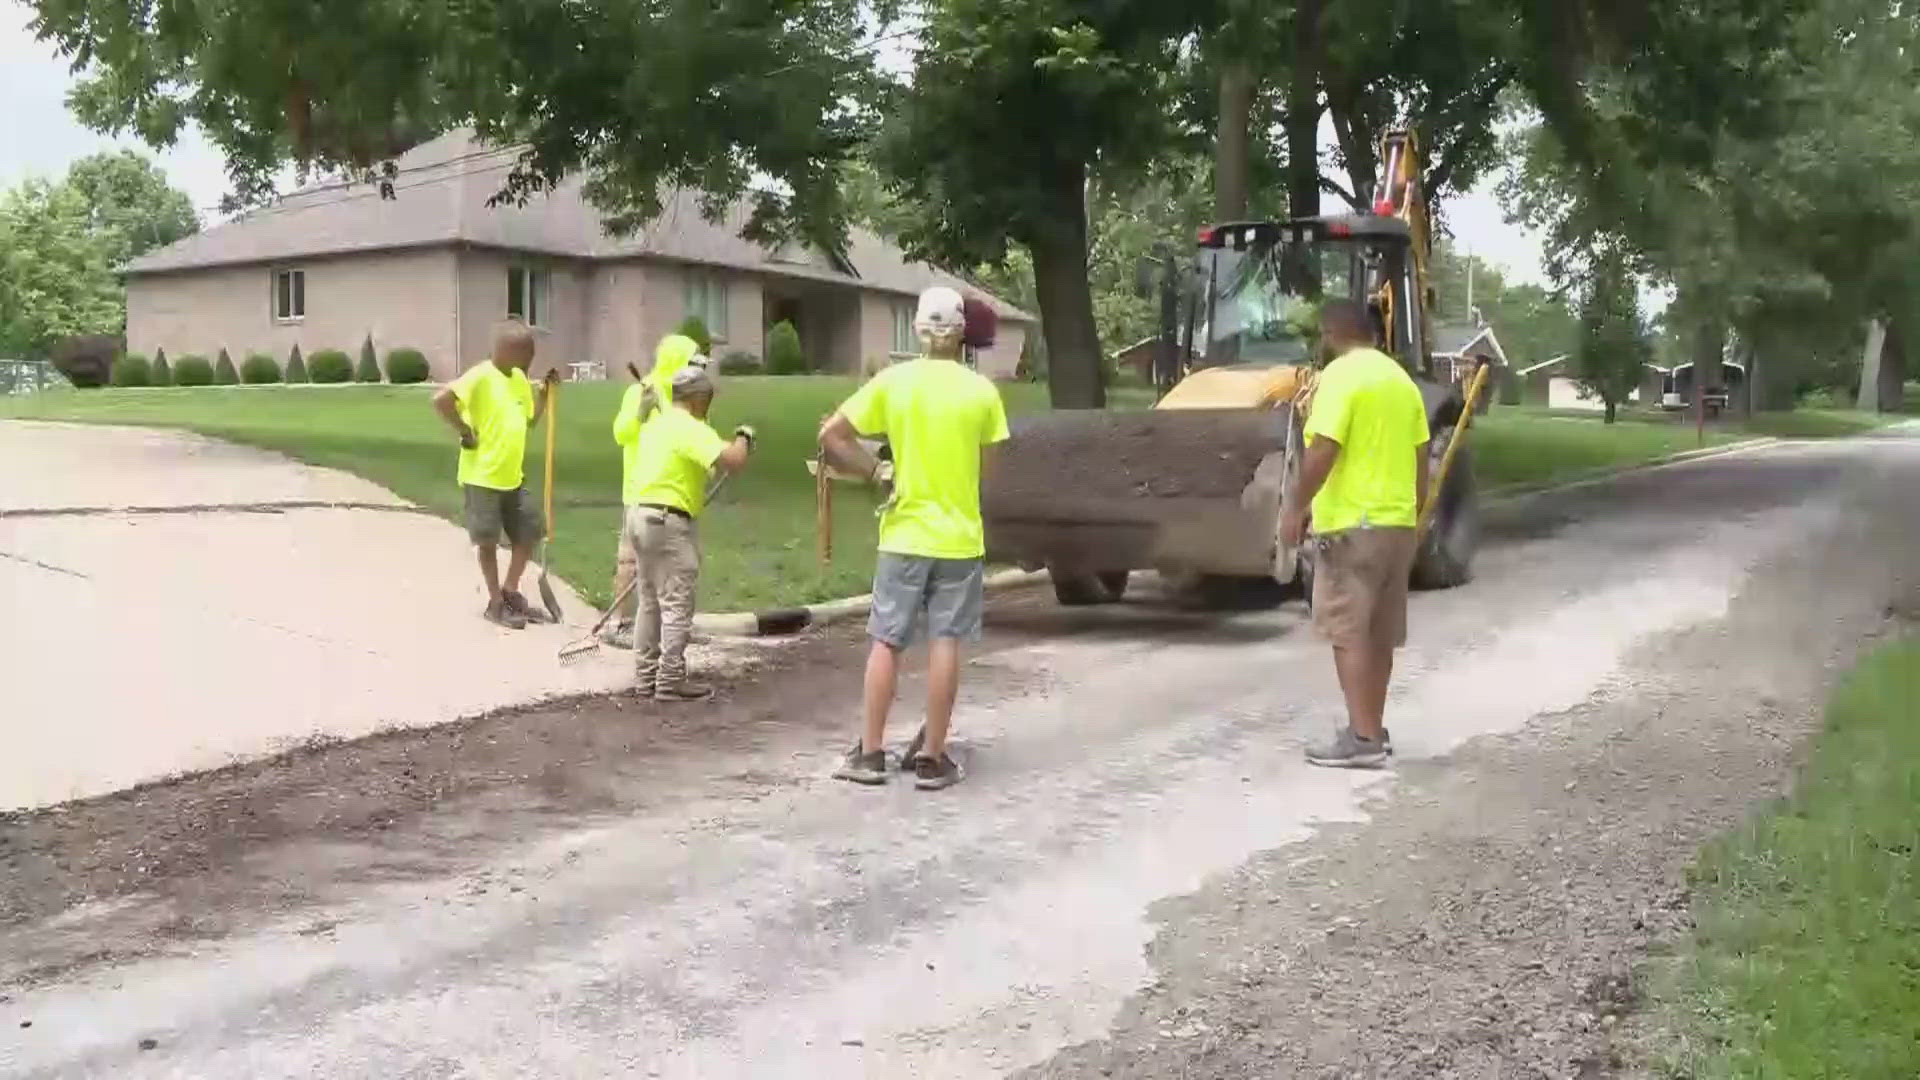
937, 416
665, 494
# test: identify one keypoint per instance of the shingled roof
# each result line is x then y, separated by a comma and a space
440, 196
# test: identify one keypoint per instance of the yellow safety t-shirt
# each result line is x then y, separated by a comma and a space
1366, 402
498, 406
937, 415
674, 461
674, 353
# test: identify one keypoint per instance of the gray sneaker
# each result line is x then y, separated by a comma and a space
1349, 751
863, 768
934, 774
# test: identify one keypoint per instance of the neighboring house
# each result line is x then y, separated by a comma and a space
434, 268
1455, 349
1138, 356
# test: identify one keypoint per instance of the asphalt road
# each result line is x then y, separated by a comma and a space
729, 912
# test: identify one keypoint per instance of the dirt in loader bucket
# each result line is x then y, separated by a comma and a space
1110, 491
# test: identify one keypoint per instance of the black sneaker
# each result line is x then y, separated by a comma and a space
933, 774
499, 614
683, 691
863, 768
527, 612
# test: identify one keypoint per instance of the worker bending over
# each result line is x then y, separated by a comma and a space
665, 494
1365, 476
937, 417
491, 407
638, 405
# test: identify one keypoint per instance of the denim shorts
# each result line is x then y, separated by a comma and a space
949, 593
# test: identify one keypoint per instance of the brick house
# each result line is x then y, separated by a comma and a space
434, 268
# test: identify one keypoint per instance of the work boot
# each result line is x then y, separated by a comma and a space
684, 690
862, 767
934, 774
527, 612
1349, 751
499, 614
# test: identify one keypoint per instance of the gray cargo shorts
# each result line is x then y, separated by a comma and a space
490, 513
949, 592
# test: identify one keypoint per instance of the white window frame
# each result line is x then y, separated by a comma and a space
535, 286
295, 308
707, 295
906, 342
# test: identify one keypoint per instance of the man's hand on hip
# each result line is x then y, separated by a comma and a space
1293, 527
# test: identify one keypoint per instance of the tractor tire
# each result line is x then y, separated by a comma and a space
1082, 589
1445, 560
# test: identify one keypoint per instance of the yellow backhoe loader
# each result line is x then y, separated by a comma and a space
1193, 487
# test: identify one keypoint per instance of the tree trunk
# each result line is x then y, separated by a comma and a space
1893, 369
1232, 151
1303, 113
1872, 363
1613, 411
1709, 351
1076, 377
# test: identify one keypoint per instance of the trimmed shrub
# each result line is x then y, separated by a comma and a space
784, 354
87, 359
369, 369
296, 367
162, 374
330, 366
132, 370
696, 328
193, 371
224, 373
740, 362
407, 366
259, 370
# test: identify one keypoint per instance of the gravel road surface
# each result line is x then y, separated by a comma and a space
1139, 877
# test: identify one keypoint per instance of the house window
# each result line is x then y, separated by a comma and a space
289, 295
527, 294
904, 338
707, 301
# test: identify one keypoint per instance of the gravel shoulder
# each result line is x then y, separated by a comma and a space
1494, 917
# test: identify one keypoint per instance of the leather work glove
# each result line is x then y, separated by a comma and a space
745, 431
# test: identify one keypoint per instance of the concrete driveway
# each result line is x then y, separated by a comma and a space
174, 603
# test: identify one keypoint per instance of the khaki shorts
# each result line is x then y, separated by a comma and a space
1360, 587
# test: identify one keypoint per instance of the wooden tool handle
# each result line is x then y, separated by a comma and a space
553, 425
823, 510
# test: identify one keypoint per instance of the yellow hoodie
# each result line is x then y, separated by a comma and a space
675, 351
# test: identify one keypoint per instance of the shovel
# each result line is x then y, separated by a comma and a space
547, 598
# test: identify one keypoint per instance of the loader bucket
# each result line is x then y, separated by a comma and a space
1173, 489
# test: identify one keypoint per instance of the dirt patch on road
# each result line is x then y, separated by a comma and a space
204, 835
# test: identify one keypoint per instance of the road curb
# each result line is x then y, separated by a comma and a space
784, 621
795, 619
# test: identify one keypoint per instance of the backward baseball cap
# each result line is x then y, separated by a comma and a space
695, 378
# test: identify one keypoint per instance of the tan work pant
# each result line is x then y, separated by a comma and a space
666, 550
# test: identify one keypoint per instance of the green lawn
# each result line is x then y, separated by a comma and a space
759, 540
1522, 447
1805, 960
